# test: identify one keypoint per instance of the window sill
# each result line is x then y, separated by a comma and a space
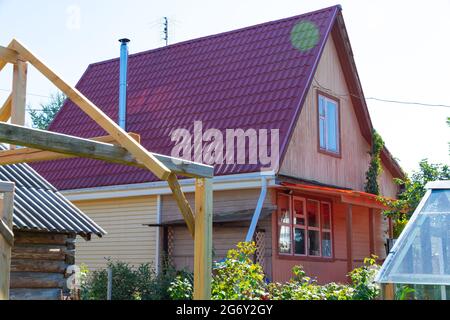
329, 153
304, 258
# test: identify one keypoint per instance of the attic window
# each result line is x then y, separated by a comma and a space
329, 131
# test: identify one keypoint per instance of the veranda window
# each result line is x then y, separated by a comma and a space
304, 227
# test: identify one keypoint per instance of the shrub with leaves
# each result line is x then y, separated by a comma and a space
375, 168
363, 280
414, 190
237, 277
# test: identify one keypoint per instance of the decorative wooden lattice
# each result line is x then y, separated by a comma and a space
260, 240
170, 245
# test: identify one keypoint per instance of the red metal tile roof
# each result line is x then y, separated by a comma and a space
247, 78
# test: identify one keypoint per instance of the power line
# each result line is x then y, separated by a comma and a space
423, 104
28, 94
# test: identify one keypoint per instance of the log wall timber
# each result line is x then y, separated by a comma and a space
39, 263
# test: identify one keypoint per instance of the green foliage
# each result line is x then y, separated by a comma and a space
301, 287
128, 282
237, 277
414, 190
181, 289
42, 118
375, 168
363, 280
404, 292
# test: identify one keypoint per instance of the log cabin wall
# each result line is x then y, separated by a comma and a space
39, 263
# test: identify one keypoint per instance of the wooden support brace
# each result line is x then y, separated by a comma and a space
112, 128
5, 111
182, 203
8, 55
203, 239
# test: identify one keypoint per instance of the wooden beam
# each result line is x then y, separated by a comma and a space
372, 231
182, 203
349, 232
56, 142
388, 291
6, 219
203, 239
5, 111
60, 146
138, 151
19, 89
8, 55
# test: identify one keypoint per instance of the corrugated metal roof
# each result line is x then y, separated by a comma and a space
38, 206
248, 78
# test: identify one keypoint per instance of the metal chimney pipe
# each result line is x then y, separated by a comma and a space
123, 83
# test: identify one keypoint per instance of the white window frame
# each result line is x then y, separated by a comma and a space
324, 118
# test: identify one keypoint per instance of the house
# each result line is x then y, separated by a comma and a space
45, 225
295, 78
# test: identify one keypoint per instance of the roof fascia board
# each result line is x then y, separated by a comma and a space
220, 183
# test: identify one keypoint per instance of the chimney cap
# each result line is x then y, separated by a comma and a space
124, 40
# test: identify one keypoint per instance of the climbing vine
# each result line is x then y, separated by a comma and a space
374, 171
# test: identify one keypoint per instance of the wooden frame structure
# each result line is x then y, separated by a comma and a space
6, 236
44, 145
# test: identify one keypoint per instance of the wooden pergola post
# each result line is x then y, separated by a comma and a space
203, 239
6, 237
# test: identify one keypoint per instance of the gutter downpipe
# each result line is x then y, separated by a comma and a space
258, 209
123, 83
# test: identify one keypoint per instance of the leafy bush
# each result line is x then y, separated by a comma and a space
363, 280
238, 278
128, 282
301, 287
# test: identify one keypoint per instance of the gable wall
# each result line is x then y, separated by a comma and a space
302, 158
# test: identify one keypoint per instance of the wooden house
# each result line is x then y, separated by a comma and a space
45, 226
296, 75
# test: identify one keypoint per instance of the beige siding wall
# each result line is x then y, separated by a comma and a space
302, 158
127, 239
225, 236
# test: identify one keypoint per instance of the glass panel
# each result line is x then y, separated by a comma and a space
422, 255
326, 244
332, 127
299, 215
321, 106
322, 133
326, 216
299, 238
313, 213
284, 242
284, 215
313, 243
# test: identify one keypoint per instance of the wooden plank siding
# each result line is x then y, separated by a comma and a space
302, 158
128, 240
225, 236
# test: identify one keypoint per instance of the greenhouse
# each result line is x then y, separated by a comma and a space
418, 265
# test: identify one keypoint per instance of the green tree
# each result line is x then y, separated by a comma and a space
42, 118
374, 171
413, 191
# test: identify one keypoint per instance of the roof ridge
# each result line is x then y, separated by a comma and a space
185, 42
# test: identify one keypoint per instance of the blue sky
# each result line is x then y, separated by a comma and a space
401, 50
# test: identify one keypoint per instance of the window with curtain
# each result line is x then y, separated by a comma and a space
329, 124
304, 227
